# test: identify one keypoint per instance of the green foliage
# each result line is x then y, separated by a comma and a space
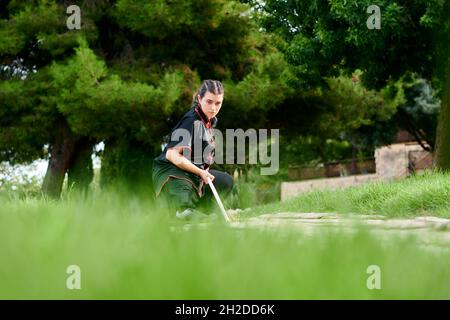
312, 150
127, 165
158, 19
419, 110
325, 36
336, 118
102, 105
25, 122
353, 106
22, 25
211, 35
130, 72
262, 90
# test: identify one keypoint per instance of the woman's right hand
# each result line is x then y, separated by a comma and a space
204, 175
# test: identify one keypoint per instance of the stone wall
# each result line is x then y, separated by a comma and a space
393, 162
396, 161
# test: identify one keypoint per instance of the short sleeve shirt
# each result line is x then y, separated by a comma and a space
194, 134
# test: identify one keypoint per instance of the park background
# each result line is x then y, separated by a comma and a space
112, 89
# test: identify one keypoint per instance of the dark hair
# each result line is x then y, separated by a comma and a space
212, 86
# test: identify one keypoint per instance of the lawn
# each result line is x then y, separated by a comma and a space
126, 248
427, 194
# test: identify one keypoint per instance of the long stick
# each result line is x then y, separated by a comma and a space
219, 202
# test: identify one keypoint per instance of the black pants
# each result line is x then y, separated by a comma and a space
224, 185
181, 195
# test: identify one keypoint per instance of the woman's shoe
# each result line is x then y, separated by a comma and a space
190, 214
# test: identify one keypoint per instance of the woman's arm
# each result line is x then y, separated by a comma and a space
175, 156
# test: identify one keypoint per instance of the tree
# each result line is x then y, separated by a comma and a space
419, 110
323, 37
124, 78
77, 98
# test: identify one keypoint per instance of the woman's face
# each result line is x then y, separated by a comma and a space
210, 104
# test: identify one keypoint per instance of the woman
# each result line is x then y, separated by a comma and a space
183, 168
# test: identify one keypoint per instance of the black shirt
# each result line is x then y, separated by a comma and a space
194, 134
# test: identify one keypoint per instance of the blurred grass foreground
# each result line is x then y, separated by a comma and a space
127, 248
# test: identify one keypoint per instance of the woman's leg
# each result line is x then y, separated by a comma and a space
223, 182
179, 195
224, 185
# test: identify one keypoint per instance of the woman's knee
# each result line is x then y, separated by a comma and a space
180, 194
223, 181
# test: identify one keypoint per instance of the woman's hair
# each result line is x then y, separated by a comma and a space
212, 86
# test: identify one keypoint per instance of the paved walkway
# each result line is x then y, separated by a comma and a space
430, 231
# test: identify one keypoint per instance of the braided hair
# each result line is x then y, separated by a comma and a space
212, 86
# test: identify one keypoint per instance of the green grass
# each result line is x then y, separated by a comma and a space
128, 249
427, 194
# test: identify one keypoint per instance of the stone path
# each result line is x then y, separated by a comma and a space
430, 231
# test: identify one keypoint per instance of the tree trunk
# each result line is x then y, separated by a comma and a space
61, 151
442, 155
80, 170
353, 170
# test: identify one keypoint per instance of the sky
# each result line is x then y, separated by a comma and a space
37, 169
